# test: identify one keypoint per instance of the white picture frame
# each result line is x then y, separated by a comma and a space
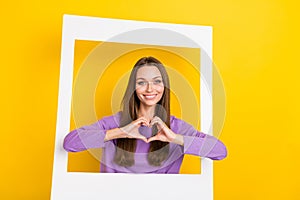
90, 186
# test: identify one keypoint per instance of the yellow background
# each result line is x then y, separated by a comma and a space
256, 47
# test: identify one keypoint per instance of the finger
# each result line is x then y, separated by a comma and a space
152, 139
142, 138
143, 118
158, 122
157, 118
141, 121
146, 121
145, 139
153, 121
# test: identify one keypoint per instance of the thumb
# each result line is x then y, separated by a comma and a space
152, 139
143, 138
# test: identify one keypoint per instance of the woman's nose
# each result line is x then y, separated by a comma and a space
149, 86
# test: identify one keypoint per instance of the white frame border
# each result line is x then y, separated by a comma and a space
72, 185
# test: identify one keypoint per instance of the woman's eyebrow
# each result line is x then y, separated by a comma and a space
152, 78
157, 77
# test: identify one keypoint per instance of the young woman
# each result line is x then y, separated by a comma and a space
143, 137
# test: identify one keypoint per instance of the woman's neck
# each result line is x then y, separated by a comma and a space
147, 112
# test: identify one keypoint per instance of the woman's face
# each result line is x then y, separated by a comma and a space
149, 85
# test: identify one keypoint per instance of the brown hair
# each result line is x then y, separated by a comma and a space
126, 147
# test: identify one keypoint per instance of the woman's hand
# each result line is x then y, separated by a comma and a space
164, 134
129, 131
132, 130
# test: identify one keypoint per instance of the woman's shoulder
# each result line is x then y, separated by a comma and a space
177, 122
111, 120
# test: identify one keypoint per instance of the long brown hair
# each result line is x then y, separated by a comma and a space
126, 147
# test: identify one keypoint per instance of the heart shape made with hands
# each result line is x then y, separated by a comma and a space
163, 134
132, 130
146, 131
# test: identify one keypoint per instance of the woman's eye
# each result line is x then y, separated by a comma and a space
157, 81
141, 83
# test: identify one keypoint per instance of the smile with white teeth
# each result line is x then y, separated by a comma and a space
149, 96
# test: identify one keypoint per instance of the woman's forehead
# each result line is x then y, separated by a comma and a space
148, 72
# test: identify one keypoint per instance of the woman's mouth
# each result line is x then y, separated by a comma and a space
150, 96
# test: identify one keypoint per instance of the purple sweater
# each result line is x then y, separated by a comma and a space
195, 143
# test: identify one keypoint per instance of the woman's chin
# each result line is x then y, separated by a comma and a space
149, 103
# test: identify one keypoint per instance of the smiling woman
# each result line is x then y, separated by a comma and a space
144, 137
